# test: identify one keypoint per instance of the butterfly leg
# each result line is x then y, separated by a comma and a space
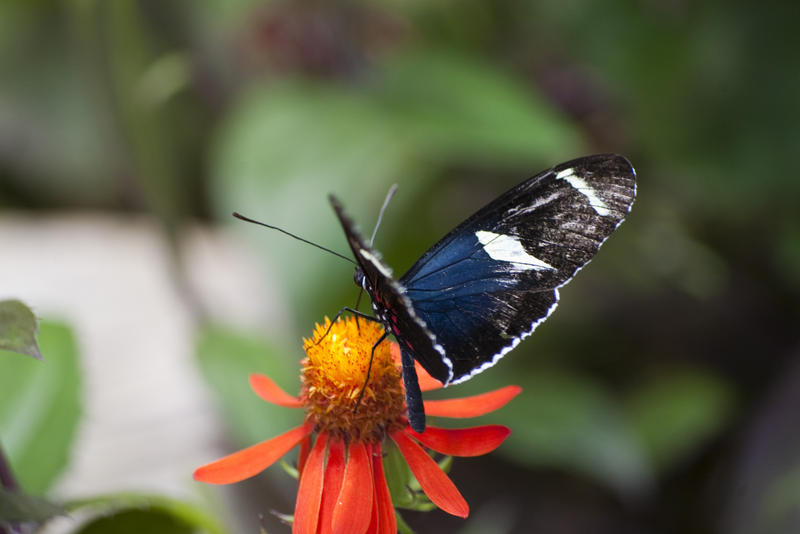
358, 302
416, 411
369, 369
339, 314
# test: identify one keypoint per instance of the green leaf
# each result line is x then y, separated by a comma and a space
781, 502
398, 475
18, 327
58, 114
571, 422
455, 107
284, 148
226, 359
402, 526
20, 508
289, 469
676, 413
765, 469
40, 409
136, 522
403, 486
135, 513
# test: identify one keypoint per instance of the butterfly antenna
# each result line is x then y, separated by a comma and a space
389, 196
248, 219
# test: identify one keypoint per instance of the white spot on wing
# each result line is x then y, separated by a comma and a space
509, 249
583, 188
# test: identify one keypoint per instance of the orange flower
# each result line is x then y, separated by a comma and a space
342, 487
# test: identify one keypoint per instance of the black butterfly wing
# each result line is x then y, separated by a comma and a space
492, 280
391, 304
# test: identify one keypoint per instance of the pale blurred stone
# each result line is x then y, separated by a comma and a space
149, 420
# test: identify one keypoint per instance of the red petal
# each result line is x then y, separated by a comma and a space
374, 520
472, 406
426, 381
383, 500
462, 441
309, 494
334, 473
354, 507
268, 390
252, 460
434, 482
305, 447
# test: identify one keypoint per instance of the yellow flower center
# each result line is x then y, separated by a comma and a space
335, 372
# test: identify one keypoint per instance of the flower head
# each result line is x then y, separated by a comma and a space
342, 485
335, 393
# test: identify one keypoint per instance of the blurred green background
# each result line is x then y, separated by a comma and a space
662, 397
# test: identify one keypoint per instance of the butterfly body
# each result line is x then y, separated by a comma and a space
487, 284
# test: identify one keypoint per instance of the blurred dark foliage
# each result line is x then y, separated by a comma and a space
684, 333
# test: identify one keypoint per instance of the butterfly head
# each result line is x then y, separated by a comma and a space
359, 278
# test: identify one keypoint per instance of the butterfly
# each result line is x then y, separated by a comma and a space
486, 285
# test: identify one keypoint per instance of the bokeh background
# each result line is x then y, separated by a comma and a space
661, 397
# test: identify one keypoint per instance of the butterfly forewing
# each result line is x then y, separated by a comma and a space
489, 282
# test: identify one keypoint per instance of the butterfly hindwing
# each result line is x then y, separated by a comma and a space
494, 278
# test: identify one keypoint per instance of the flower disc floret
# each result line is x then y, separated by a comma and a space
334, 374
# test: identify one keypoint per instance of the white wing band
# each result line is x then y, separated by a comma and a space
509, 249
580, 185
